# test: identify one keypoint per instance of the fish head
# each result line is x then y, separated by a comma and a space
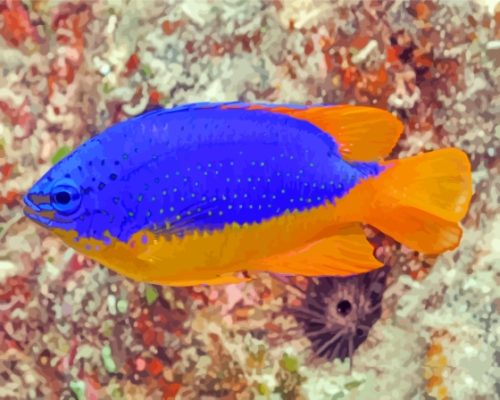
74, 195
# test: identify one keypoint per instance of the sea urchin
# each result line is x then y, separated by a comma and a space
337, 313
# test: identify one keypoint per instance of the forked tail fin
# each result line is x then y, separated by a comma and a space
420, 200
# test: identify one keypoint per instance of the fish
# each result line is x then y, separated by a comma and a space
216, 193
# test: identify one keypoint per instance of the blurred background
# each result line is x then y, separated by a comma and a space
426, 328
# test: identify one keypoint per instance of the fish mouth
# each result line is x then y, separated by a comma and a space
45, 218
40, 217
39, 213
31, 210
43, 215
30, 205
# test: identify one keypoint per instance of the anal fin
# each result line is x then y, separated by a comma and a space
225, 279
346, 252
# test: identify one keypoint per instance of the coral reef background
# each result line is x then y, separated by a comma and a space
72, 329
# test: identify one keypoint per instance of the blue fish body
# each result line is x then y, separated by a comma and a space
201, 192
199, 168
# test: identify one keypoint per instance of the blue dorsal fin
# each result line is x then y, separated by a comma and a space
235, 104
159, 110
362, 133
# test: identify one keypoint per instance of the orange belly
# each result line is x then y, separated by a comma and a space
203, 255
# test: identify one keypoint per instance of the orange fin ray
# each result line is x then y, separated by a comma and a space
346, 252
419, 230
438, 182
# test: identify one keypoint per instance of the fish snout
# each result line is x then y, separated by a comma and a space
37, 207
28, 202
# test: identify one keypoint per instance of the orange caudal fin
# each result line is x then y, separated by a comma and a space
420, 200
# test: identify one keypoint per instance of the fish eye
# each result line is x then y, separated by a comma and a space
65, 198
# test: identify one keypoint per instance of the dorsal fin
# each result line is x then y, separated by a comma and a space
362, 133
